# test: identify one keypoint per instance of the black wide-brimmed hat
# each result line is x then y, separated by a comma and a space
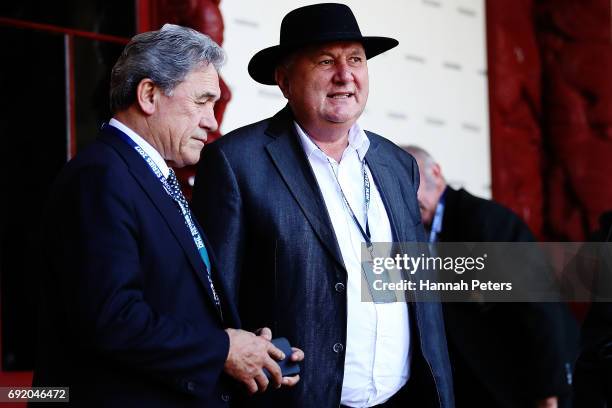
309, 25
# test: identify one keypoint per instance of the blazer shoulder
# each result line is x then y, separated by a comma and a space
379, 141
484, 207
393, 155
388, 147
97, 154
97, 166
253, 133
251, 140
492, 221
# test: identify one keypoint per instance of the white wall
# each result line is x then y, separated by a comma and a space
431, 90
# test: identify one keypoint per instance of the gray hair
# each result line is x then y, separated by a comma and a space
420, 154
425, 159
165, 56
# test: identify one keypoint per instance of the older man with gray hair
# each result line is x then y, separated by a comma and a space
510, 355
135, 312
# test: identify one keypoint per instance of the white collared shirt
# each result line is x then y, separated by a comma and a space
146, 146
377, 360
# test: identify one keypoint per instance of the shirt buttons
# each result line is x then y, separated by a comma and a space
338, 348
339, 287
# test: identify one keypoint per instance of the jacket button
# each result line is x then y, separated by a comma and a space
338, 348
339, 287
225, 397
190, 386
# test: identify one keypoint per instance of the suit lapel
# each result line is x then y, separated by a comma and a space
291, 162
388, 187
164, 203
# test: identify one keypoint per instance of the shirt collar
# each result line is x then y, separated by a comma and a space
357, 139
146, 146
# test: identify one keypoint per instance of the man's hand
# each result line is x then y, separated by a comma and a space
550, 402
296, 356
248, 354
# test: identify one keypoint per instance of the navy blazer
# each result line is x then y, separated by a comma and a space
258, 200
127, 316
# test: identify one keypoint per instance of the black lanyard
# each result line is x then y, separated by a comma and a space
366, 192
366, 266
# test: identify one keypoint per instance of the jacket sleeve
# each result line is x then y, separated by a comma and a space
217, 204
98, 279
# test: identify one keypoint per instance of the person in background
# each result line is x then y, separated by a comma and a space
512, 355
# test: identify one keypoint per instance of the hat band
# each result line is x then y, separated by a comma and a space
320, 37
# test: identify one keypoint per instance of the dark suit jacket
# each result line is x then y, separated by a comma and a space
127, 318
258, 200
505, 354
593, 386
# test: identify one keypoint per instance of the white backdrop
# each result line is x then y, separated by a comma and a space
431, 90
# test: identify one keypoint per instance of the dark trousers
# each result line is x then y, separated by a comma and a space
593, 385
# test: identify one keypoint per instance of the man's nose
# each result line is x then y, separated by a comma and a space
343, 73
208, 121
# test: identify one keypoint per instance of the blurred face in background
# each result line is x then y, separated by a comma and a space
431, 187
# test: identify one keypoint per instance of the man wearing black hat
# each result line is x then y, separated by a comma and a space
287, 203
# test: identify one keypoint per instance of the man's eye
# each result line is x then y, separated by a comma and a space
356, 59
326, 62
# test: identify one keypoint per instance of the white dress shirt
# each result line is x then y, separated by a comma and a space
150, 150
377, 360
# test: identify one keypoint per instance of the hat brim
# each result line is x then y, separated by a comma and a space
262, 65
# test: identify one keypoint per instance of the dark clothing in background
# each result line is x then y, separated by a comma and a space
594, 366
503, 354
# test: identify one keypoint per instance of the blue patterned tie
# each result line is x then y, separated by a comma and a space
177, 194
175, 189
179, 198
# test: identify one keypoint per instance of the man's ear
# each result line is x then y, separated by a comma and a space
438, 177
436, 171
281, 76
146, 93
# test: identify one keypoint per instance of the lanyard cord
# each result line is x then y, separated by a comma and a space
195, 234
366, 192
366, 268
370, 277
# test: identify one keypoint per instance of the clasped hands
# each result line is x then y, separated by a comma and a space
250, 353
